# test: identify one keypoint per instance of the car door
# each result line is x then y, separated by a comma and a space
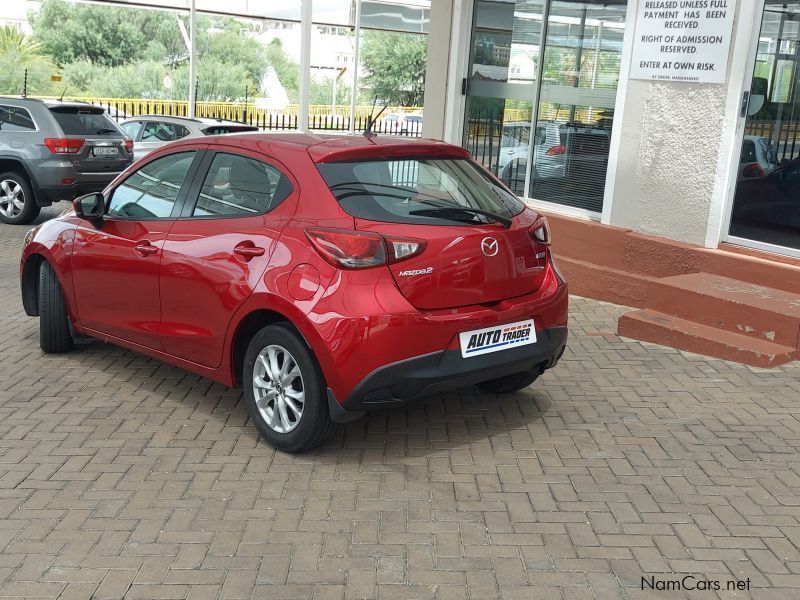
115, 263
156, 134
217, 252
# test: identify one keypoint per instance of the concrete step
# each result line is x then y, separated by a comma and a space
659, 328
730, 305
604, 283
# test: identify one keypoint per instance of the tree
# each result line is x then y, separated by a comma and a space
20, 54
102, 35
395, 66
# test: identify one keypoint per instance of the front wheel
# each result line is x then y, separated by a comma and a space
510, 383
285, 390
17, 203
54, 332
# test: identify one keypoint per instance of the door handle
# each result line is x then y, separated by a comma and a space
145, 249
247, 252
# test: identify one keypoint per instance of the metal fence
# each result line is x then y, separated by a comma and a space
785, 141
321, 118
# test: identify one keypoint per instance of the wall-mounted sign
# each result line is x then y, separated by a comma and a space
682, 40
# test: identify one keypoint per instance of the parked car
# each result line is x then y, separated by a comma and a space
150, 132
52, 150
758, 158
327, 275
548, 147
403, 123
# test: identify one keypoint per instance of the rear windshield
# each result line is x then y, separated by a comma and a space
84, 121
220, 129
418, 190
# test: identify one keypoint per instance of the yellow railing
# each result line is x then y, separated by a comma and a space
235, 110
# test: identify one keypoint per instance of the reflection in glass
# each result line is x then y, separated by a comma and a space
766, 205
568, 149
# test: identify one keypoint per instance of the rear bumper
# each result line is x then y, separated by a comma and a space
51, 190
420, 376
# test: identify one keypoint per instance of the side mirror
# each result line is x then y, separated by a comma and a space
91, 207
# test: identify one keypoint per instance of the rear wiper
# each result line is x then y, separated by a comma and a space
105, 130
443, 211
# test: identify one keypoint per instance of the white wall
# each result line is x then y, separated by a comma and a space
678, 146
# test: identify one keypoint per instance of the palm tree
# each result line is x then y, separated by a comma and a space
14, 41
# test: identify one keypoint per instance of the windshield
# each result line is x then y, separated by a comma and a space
84, 121
419, 190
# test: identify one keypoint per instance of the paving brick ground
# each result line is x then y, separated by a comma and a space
124, 477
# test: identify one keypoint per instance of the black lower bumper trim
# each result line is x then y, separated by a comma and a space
437, 372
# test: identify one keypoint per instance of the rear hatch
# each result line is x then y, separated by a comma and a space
465, 257
104, 147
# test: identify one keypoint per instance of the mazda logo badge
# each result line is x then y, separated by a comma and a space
489, 246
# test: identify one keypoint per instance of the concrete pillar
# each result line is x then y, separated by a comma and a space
448, 57
675, 147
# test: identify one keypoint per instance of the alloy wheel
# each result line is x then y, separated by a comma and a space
12, 198
278, 388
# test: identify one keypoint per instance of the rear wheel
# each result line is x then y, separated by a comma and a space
509, 383
17, 203
54, 330
285, 390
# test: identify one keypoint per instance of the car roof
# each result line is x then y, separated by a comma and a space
197, 120
336, 148
52, 102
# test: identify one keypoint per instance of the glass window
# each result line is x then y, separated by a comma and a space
238, 186
151, 191
132, 129
158, 131
430, 191
567, 159
77, 120
13, 118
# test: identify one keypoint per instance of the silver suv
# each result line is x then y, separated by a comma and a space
52, 150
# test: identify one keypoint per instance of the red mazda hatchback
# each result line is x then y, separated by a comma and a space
326, 275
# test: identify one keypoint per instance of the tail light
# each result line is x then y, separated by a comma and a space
556, 150
540, 231
128, 144
753, 170
349, 249
64, 145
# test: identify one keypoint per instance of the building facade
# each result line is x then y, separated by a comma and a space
673, 118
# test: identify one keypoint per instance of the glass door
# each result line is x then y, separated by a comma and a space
539, 115
766, 205
502, 85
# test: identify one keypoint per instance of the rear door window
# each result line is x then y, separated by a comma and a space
429, 191
84, 121
158, 131
239, 186
15, 119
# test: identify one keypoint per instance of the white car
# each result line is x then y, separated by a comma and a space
548, 149
150, 132
403, 123
758, 158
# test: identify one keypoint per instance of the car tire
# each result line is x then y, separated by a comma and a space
17, 203
510, 383
54, 329
276, 391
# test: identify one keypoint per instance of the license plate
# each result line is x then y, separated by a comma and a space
104, 151
495, 339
